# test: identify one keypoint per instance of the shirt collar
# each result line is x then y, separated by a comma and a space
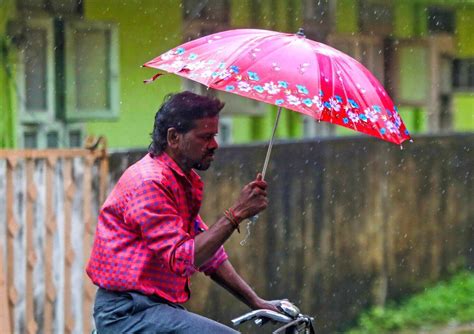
192, 176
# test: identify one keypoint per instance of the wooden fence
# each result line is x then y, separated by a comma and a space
49, 203
351, 222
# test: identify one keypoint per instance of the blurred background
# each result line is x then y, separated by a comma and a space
355, 225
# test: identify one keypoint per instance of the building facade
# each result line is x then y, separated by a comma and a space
70, 68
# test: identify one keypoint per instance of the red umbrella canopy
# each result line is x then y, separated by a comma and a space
290, 71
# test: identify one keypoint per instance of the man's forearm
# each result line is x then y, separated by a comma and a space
227, 277
208, 242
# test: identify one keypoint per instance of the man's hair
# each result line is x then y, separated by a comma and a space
179, 111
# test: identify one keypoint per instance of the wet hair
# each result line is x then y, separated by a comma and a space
179, 111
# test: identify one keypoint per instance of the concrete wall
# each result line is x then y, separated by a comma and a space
351, 222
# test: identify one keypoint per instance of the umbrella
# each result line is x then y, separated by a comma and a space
292, 72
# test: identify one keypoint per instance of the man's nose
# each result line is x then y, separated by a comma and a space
213, 144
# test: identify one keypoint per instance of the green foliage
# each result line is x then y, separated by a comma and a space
447, 302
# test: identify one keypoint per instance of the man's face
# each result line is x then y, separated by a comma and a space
196, 147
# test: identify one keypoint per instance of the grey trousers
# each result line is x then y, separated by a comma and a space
132, 312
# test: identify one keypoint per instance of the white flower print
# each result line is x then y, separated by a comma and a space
334, 104
244, 86
391, 127
271, 88
353, 116
206, 74
371, 114
293, 100
167, 56
397, 119
224, 74
178, 64
199, 65
317, 101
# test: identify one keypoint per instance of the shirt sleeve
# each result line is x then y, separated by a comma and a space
211, 265
153, 209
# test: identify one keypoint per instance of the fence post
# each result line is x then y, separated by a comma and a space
4, 309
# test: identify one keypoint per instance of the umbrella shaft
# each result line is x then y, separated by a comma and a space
269, 150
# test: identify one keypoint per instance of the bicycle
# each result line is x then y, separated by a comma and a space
294, 322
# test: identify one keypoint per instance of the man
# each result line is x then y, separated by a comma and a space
150, 238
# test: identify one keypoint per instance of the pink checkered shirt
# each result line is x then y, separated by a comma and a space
144, 239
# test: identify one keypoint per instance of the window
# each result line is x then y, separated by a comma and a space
463, 74
411, 73
205, 17
210, 10
41, 136
36, 79
74, 135
91, 58
441, 20
375, 18
61, 7
67, 72
30, 138
52, 139
225, 130
318, 18
369, 50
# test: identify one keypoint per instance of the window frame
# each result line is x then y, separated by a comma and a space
110, 113
461, 65
74, 127
42, 133
38, 116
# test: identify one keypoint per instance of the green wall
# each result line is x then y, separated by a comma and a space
410, 21
146, 30
465, 31
347, 16
464, 116
7, 97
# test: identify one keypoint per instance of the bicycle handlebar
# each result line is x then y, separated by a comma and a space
263, 313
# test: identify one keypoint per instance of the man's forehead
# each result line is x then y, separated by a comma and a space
207, 122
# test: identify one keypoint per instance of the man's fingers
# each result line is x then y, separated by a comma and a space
260, 184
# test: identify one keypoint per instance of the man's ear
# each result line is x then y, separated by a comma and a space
172, 138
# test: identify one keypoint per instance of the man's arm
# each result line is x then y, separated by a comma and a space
227, 277
252, 200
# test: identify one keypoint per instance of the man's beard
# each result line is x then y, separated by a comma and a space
205, 162
202, 166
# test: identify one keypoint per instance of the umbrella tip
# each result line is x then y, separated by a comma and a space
301, 32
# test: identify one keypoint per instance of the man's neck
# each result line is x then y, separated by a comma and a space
179, 161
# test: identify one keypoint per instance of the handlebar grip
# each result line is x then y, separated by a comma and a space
261, 313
